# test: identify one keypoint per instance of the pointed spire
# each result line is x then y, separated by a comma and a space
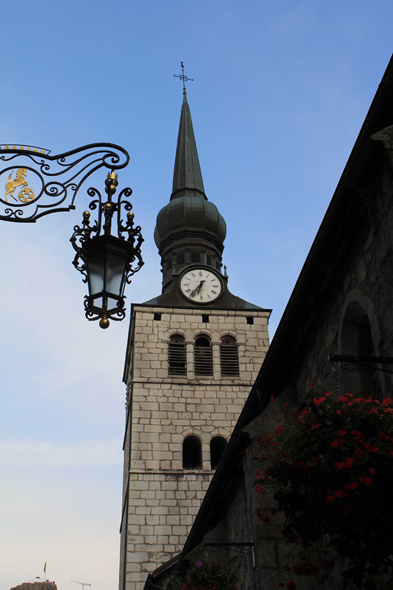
187, 175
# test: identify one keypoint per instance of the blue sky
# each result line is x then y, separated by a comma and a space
281, 89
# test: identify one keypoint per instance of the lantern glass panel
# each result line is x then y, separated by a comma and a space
115, 267
96, 268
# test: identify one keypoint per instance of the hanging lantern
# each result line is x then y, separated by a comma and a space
107, 262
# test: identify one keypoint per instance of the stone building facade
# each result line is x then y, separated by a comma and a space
341, 305
192, 356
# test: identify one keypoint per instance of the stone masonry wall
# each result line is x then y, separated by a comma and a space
162, 499
363, 275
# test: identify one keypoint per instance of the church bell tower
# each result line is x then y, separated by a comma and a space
193, 354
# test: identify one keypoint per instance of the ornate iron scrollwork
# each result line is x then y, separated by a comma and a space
41, 184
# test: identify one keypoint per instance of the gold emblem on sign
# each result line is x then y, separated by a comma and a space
26, 194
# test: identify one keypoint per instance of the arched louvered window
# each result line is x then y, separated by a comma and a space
177, 356
203, 356
356, 340
229, 357
217, 447
192, 453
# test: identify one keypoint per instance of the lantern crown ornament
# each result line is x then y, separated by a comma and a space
107, 262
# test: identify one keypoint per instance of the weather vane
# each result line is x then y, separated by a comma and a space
183, 77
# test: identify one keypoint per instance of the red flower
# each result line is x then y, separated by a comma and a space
342, 432
338, 494
373, 411
365, 480
344, 512
278, 430
348, 462
370, 447
258, 489
291, 585
314, 460
328, 564
340, 465
315, 426
263, 518
352, 485
335, 443
319, 401
358, 452
388, 401
372, 470
384, 436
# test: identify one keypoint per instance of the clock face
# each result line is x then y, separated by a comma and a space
201, 285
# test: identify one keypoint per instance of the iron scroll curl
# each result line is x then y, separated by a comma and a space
59, 177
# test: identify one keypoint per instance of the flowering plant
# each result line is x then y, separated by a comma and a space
207, 576
330, 469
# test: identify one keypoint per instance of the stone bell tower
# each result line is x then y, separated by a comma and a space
193, 354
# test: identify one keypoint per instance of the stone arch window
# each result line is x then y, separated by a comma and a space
356, 340
177, 355
229, 357
203, 356
217, 447
192, 453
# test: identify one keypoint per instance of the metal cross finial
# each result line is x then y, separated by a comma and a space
183, 77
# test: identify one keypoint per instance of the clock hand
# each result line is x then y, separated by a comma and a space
199, 287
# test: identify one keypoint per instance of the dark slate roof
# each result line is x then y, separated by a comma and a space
187, 173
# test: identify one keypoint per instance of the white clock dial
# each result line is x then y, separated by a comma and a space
200, 285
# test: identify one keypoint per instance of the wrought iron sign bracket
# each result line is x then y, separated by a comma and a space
36, 184
362, 361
